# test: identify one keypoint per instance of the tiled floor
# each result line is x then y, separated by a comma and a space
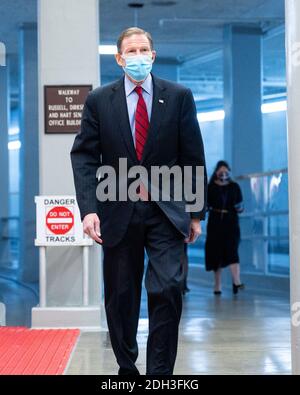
247, 334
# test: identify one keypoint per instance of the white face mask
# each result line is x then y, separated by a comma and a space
224, 176
138, 66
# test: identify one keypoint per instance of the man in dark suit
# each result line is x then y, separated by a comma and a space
149, 122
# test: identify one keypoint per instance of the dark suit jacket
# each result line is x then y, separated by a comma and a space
174, 138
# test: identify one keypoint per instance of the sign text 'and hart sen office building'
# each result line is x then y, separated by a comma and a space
63, 107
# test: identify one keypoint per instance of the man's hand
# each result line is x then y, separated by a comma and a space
91, 226
195, 231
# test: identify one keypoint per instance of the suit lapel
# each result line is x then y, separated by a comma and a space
119, 103
159, 104
118, 99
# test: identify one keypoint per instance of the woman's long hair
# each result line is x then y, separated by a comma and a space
220, 164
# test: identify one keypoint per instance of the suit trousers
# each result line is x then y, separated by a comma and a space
123, 270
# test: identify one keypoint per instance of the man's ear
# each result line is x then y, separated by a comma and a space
153, 56
119, 60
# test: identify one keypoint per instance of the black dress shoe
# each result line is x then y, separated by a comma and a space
128, 372
236, 288
217, 292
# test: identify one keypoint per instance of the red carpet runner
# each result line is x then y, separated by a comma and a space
26, 351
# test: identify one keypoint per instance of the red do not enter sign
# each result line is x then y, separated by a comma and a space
60, 220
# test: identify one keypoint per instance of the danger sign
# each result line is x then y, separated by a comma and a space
60, 220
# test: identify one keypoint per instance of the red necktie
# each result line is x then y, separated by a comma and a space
141, 131
141, 123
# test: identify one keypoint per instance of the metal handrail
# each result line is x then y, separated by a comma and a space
261, 174
264, 237
267, 213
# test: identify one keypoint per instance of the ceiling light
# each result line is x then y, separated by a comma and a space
276, 106
14, 145
211, 116
108, 49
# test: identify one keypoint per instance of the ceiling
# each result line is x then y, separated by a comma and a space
13, 13
188, 37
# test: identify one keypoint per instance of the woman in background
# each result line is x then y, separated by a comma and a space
224, 202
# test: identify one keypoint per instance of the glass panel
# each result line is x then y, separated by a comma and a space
264, 247
264, 223
278, 257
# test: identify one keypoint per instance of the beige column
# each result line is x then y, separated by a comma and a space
68, 39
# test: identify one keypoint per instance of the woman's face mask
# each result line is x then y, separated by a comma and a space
223, 176
138, 66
